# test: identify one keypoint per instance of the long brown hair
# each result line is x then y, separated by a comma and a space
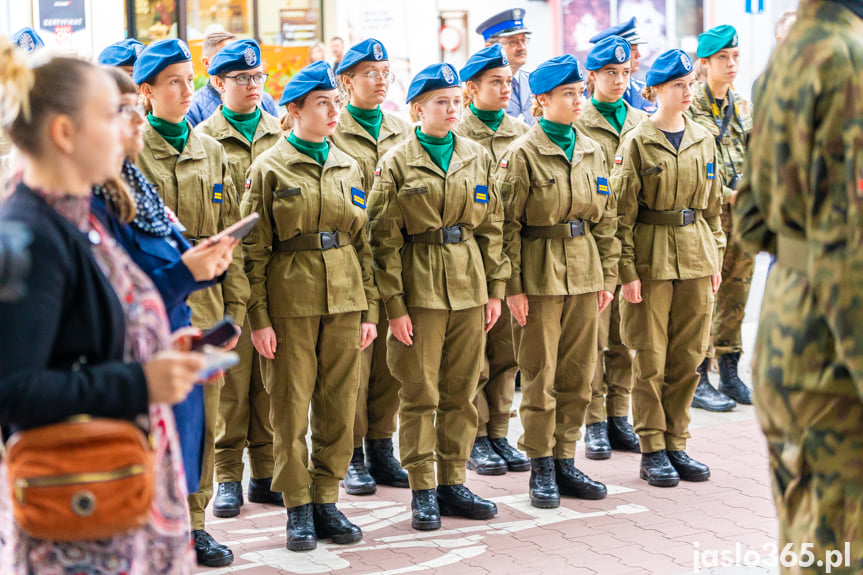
117, 192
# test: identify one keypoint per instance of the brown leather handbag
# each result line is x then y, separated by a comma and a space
83, 479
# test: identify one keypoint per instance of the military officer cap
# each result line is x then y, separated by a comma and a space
123, 53
628, 31
366, 51
671, 65
716, 39
488, 58
241, 55
158, 56
315, 76
609, 50
506, 23
433, 77
555, 72
27, 39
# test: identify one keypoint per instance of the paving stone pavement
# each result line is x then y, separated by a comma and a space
725, 526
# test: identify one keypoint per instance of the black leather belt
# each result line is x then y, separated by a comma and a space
450, 235
319, 241
572, 229
683, 217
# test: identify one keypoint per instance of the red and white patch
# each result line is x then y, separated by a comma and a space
248, 184
378, 171
504, 164
618, 159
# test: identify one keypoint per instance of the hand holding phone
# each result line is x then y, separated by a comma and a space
218, 335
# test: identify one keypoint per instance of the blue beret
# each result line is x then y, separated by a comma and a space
123, 53
366, 51
628, 31
609, 50
716, 39
315, 76
433, 77
242, 55
506, 23
671, 65
158, 56
27, 39
555, 72
489, 57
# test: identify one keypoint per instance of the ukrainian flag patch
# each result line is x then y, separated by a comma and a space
711, 173
217, 193
602, 186
358, 197
480, 195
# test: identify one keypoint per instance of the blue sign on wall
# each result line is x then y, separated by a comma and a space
753, 7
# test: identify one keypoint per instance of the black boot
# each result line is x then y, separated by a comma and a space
301, 528
621, 436
573, 483
729, 382
383, 465
657, 469
228, 500
330, 523
484, 460
459, 501
260, 491
596, 445
357, 480
543, 487
209, 552
706, 397
688, 468
425, 514
515, 459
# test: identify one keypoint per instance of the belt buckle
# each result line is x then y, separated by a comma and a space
688, 216
576, 228
452, 235
328, 240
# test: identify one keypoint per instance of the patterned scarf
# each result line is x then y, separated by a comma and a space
150, 214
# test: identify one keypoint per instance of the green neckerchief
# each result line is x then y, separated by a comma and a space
246, 124
490, 119
174, 134
318, 151
614, 112
561, 134
440, 149
370, 120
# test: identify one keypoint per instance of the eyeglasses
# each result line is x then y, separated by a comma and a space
245, 79
509, 43
131, 112
373, 76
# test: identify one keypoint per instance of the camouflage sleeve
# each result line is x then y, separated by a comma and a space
712, 215
235, 288
489, 236
626, 183
362, 245
386, 224
513, 175
604, 234
258, 245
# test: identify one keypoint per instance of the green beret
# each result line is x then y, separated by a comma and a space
716, 39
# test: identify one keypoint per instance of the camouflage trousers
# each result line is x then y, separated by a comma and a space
737, 268
812, 416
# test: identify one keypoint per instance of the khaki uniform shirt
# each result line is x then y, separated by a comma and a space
541, 187
187, 182
351, 138
294, 195
412, 195
654, 176
495, 142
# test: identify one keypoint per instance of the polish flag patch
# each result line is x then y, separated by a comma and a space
618, 159
248, 183
378, 171
504, 164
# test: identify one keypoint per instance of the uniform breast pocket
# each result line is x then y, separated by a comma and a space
701, 174
651, 180
590, 202
213, 198
289, 205
478, 201
543, 205
421, 208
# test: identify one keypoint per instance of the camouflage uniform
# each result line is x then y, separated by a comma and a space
802, 201
737, 265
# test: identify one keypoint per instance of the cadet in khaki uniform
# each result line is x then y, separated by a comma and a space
314, 303
436, 234
803, 206
193, 178
559, 237
671, 248
366, 133
244, 405
488, 86
606, 119
728, 117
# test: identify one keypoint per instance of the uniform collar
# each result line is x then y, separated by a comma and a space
349, 125
591, 118
548, 148
161, 149
477, 128
335, 159
417, 157
691, 135
222, 129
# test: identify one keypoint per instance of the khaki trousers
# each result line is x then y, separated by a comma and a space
612, 380
378, 394
496, 388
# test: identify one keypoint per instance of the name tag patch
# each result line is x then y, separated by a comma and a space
358, 197
618, 159
711, 173
602, 186
480, 194
217, 193
287, 192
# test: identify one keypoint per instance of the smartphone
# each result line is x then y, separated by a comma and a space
218, 335
238, 230
216, 360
